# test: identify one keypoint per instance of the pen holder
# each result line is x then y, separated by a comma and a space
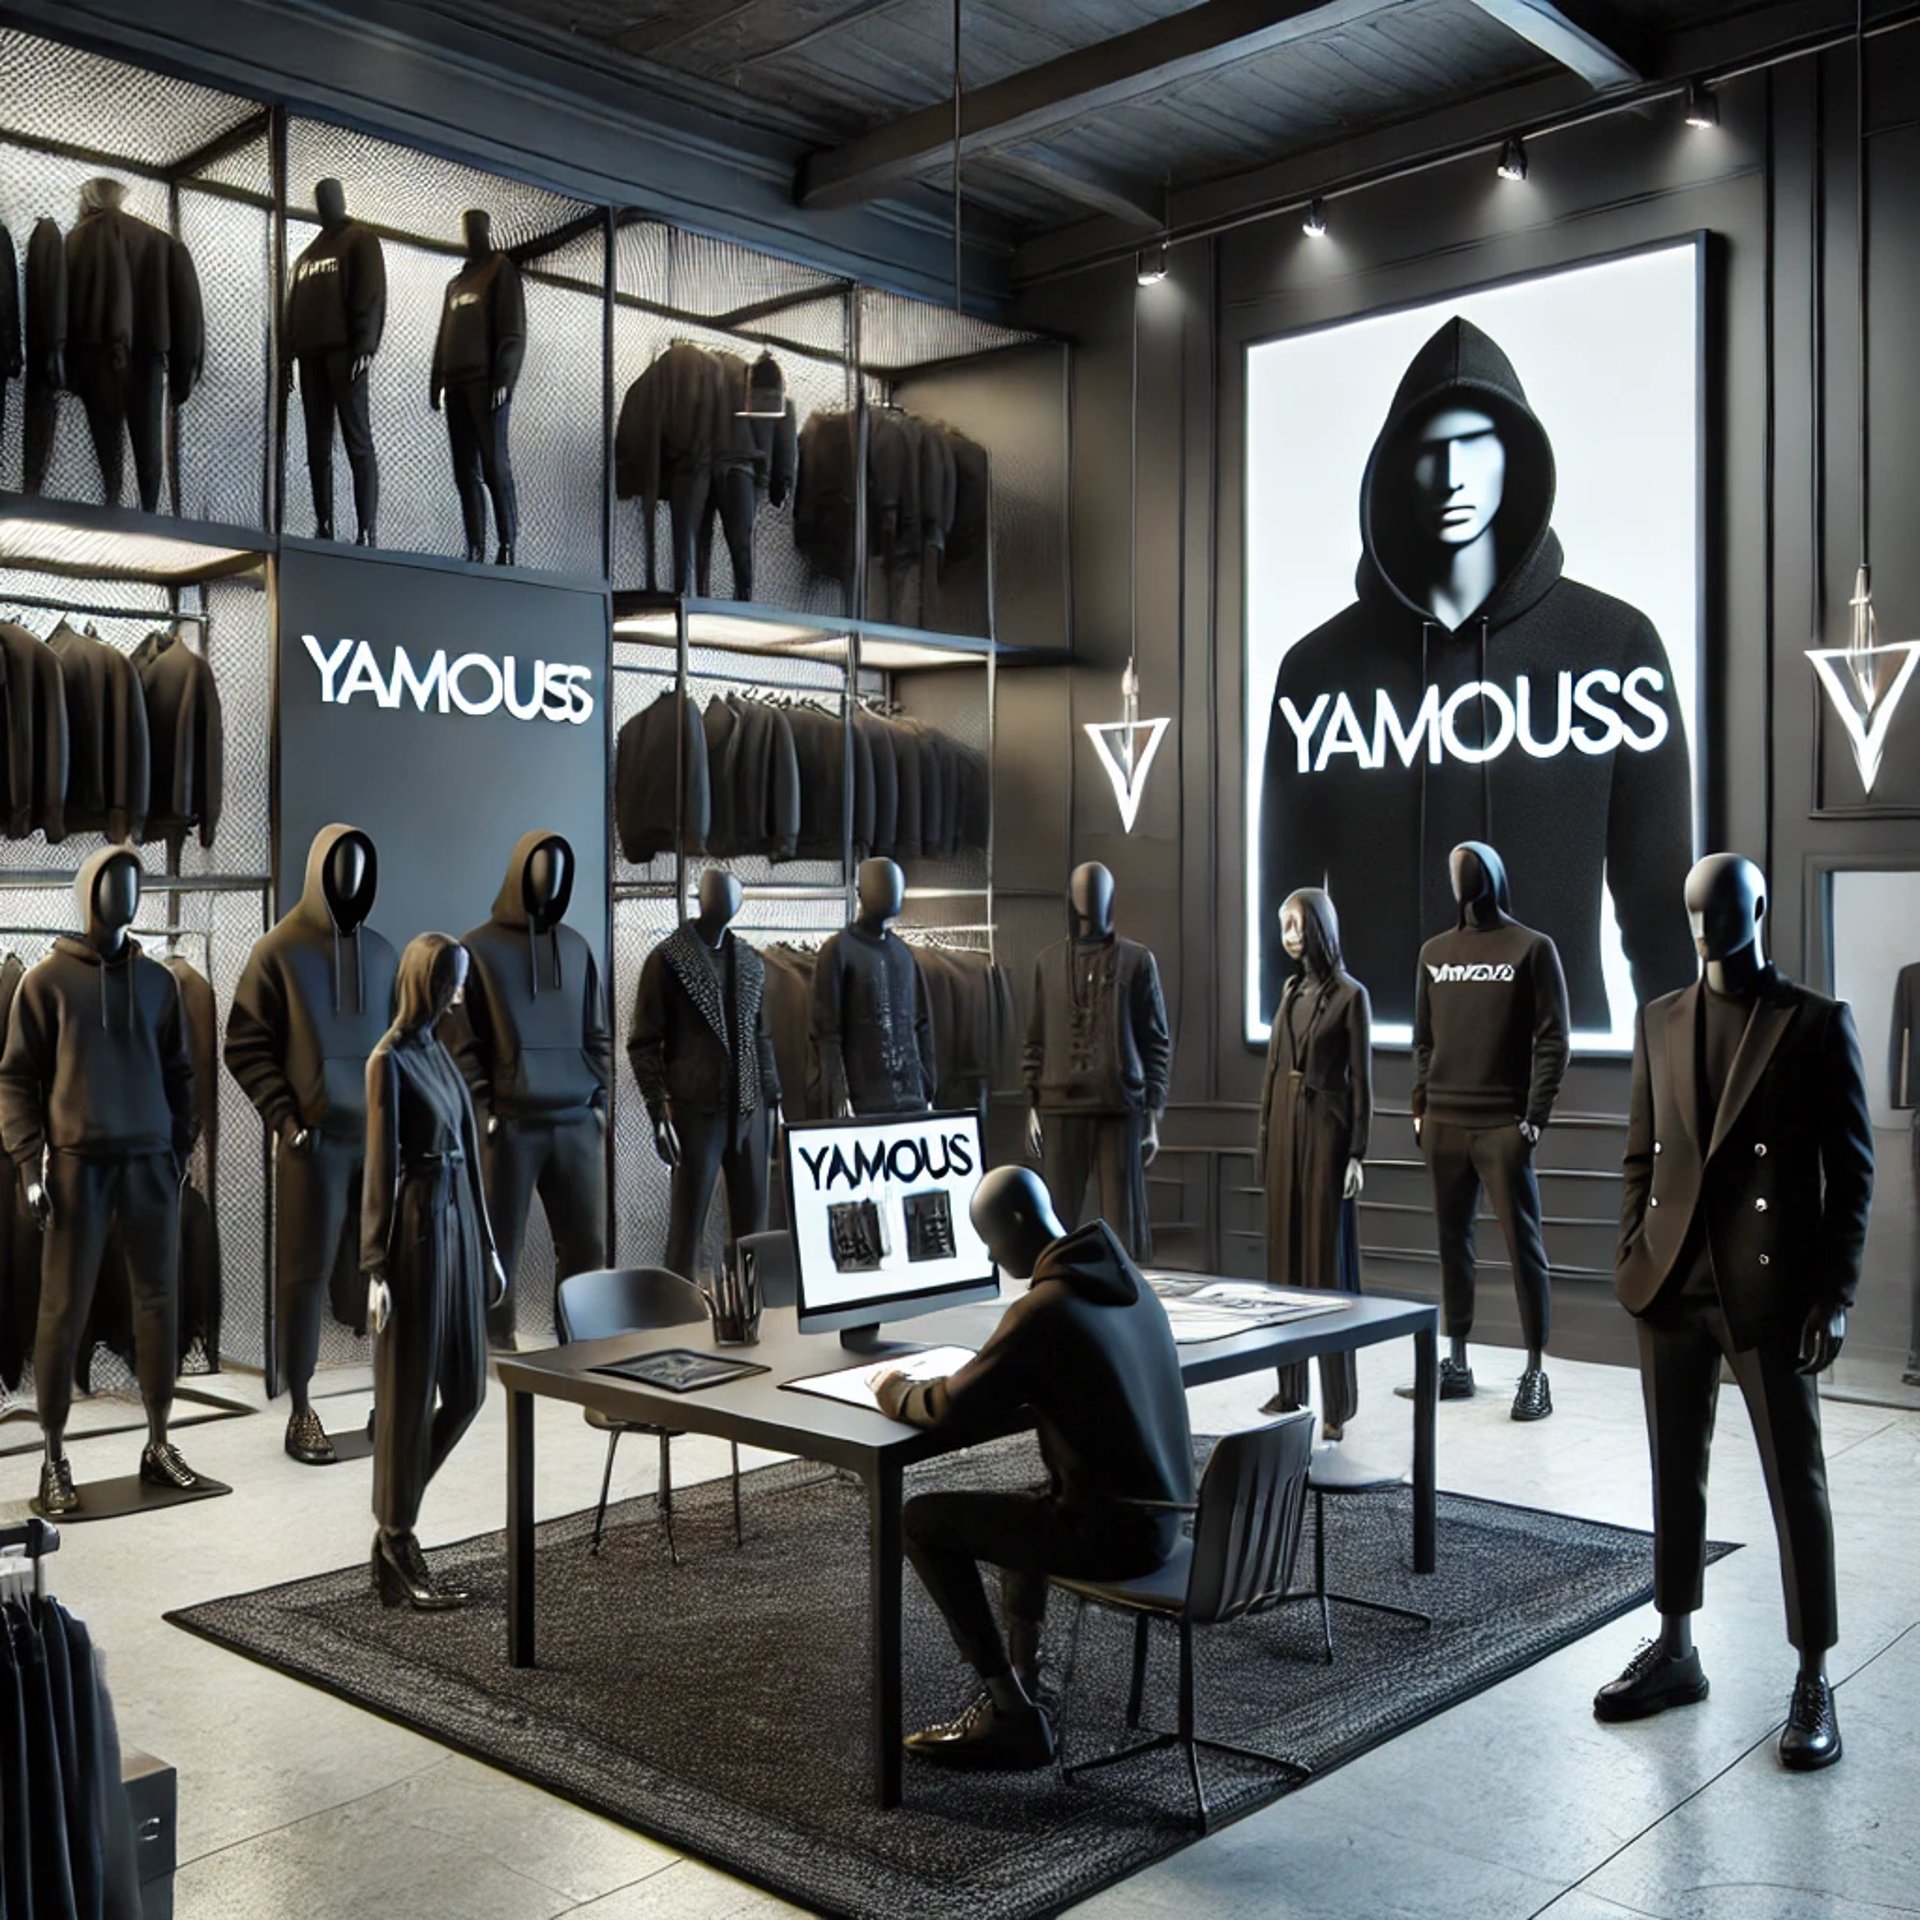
734, 1302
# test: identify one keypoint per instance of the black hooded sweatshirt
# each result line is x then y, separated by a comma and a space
483, 327
315, 998
1370, 775
338, 299
96, 1060
1489, 1018
534, 1040
1088, 1349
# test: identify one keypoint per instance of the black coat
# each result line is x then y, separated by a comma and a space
338, 299
131, 288
643, 797
670, 424
186, 738
36, 735
1097, 1036
701, 1043
45, 324
1782, 1176
109, 764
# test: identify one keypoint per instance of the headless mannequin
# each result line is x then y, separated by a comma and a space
476, 230
880, 892
330, 198
1459, 472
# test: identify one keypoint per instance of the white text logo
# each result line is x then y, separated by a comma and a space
471, 683
1449, 971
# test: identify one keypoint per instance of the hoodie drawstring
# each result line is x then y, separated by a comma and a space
1486, 761
1420, 839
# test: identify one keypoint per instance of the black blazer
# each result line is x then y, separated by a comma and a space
1782, 1176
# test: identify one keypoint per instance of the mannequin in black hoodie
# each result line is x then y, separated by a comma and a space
1472, 689
96, 1111
1489, 1052
1089, 1351
316, 995
476, 365
537, 1055
872, 1020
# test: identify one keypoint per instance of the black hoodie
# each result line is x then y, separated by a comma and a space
534, 1037
1489, 1018
1348, 805
109, 763
186, 738
338, 299
315, 998
483, 327
1088, 1349
96, 1060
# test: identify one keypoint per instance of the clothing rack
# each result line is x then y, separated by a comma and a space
86, 611
30, 877
774, 696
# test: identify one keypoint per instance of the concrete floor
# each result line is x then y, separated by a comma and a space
1514, 1805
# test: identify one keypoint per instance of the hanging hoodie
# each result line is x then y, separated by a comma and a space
483, 327
534, 1040
1489, 1018
185, 736
109, 765
96, 1061
316, 996
1547, 723
338, 299
36, 735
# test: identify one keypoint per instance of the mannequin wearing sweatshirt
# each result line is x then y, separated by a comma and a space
96, 1112
537, 1056
476, 365
316, 995
336, 313
1489, 1052
872, 1021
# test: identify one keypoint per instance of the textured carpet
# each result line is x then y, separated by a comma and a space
720, 1707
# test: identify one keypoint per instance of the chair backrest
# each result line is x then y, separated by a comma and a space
1253, 1503
776, 1264
610, 1300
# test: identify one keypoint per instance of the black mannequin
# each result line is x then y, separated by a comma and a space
720, 903
346, 871
872, 1023
476, 363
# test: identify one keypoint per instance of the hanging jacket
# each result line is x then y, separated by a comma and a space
11, 358
1097, 1038
186, 738
338, 299
820, 752
1589, 786
46, 316
96, 1060
873, 1024
203, 1046
669, 424
972, 498
971, 1001
755, 425
789, 1006
534, 1038
109, 766
825, 494
701, 1042
131, 288
483, 327
315, 996
643, 789
36, 734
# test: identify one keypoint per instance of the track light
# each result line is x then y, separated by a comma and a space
1315, 224
1513, 160
1703, 105
1150, 264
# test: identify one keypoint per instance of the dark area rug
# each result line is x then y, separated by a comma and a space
721, 1707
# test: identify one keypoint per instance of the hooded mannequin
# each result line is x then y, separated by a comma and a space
702, 1052
336, 313
1316, 1110
1375, 751
537, 1055
96, 1112
476, 365
431, 1266
1747, 1180
316, 994
1096, 1064
872, 1021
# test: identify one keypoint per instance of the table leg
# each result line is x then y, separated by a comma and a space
520, 1575
1426, 1402
884, 1547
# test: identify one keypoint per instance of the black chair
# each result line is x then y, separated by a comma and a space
1336, 1474
1246, 1531
776, 1264
616, 1300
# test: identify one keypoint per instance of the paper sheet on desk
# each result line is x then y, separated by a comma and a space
1217, 1309
850, 1384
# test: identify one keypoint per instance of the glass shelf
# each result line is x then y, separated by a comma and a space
116, 543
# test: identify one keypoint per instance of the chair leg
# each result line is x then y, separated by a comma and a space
1136, 1698
606, 1486
1320, 1572
735, 1444
1187, 1742
666, 1495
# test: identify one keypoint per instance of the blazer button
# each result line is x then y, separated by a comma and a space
1656, 1146
1766, 1260
1759, 1206
1760, 1148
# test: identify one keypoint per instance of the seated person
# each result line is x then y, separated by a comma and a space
1089, 1351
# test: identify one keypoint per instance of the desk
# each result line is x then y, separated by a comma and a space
757, 1412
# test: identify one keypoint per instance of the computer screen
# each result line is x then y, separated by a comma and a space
879, 1210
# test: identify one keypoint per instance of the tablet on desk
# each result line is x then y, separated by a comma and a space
850, 1383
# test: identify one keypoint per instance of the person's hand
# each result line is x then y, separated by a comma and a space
1416, 1126
1150, 1147
493, 1125
1822, 1338
496, 1280
379, 1303
39, 1200
433, 399
1036, 1139
1355, 1180
361, 362
666, 1140
1529, 1133
295, 1138
499, 398
879, 1380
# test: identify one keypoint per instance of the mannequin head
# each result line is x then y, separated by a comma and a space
1726, 901
330, 198
102, 195
476, 229
1479, 878
881, 889
1458, 475
433, 977
1310, 931
1090, 897
548, 884
107, 890
1013, 1213
720, 898
349, 875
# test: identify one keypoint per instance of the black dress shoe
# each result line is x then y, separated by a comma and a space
415, 1560
1533, 1400
504, 558
323, 529
396, 1582
162, 1466
1456, 1379
57, 1497
307, 1441
1811, 1738
476, 554
1651, 1682
983, 1737
364, 538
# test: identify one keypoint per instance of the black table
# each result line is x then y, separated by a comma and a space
758, 1412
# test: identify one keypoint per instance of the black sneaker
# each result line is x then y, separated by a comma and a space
57, 1497
1533, 1400
1456, 1379
162, 1466
1811, 1738
984, 1737
1651, 1682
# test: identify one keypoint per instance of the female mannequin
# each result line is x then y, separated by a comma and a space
426, 1246
1316, 1107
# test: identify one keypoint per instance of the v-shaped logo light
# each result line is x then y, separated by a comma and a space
1865, 680
1126, 748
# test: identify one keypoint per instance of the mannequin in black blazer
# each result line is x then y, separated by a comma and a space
1748, 1174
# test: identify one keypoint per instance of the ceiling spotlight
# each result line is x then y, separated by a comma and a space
1513, 160
1703, 105
1150, 264
1315, 224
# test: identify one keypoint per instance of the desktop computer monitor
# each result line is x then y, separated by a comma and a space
881, 1222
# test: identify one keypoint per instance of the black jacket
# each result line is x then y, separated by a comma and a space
109, 765
483, 327
702, 1042
131, 288
186, 738
643, 767
820, 750
1612, 807
11, 360
338, 298
1782, 1174
755, 428
203, 1047
970, 1002
670, 423
315, 997
1903, 1040
1097, 1038
825, 494
789, 1007
1089, 1351
534, 1039
873, 1025
96, 1060
36, 735
46, 316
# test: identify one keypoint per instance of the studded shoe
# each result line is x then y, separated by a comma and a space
57, 1497
1533, 1400
1651, 1682
162, 1466
984, 1738
1811, 1738
307, 1440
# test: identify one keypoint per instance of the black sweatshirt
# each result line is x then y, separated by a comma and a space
701, 1039
643, 767
338, 299
36, 735
483, 327
1097, 1036
186, 738
1489, 1019
109, 765
873, 1024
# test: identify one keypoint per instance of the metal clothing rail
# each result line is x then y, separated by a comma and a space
63, 879
84, 611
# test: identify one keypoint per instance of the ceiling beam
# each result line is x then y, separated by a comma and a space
1130, 200
1029, 106
1584, 36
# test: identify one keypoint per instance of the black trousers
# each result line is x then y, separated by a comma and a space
1680, 1355
1462, 1161
733, 502
562, 1158
482, 460
137, 1202
1028, 1536
329, 392
316, 1233
688, 490
1104, 1152
712, 1145
123, 403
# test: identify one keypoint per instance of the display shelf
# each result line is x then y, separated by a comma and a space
70, 538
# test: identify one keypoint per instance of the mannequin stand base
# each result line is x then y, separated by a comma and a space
114, 1499
355, 1444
